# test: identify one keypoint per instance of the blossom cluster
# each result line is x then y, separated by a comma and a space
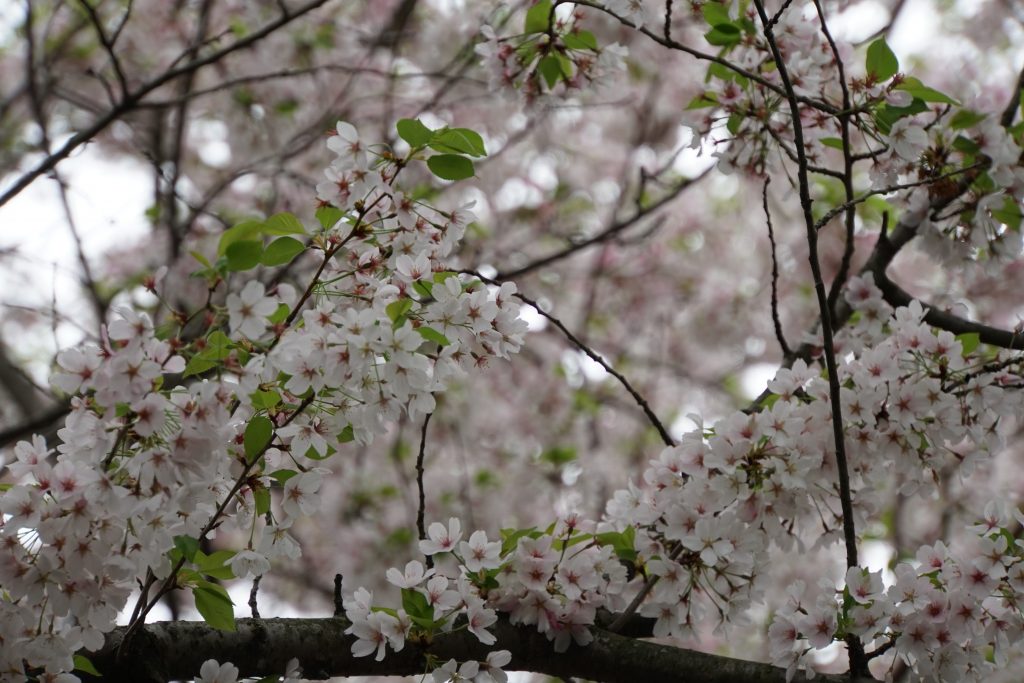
949, 616
169, 439
555, 580
902, 133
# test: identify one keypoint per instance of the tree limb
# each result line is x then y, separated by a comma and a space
175, 650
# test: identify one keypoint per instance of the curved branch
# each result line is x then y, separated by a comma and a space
603, 236
176, 650
944, 320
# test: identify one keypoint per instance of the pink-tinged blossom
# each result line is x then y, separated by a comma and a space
863, 585
248, 310
371, 634
478, 553
213, 672
413, 576
478, 618
452, 672
247, 563
300, 494
441, 539
491, 670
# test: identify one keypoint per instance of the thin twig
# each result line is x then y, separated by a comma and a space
858, 663
644, 406
253, 605
339, 601
129, 102
775, 272
422, 508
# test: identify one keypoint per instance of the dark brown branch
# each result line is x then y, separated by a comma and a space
775, 273
129, 102
176, 650
944, 320
422, 507
665, 437
108, 45
858, 662
1010, 112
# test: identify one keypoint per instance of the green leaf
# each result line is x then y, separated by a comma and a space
283, 224
703, 101
969, 341
966, 145
258, 433
215, 606
414, 132
197, 366
424, 288
397, 309
282, 476
430, 334
244, 254
216, 565
246, 230
887, 115
82, 663
538, 18
264, 400
346, 435
559, 455
580, 40
328, 216
1009, 214
202, 259
280, 315
923, 92
450, 166
715, 13
551, 69
261, 496
834, 143
459, 140
282, 251
881, 62
187, 546
416, 604
965, 118
724, 35
218, 346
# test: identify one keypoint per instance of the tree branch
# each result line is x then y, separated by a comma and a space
175, 650
132, 99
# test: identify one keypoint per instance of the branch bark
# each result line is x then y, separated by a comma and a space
175, 650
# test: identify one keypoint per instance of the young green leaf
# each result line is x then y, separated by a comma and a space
538, 18
396, 310
922, 92
430, 334
244, 254
328, 216
580, 40
414, 132
450, 166
215, 606
881, 62
283, 224
187, 546
460, 141
282, 251
715, 13
246, 230
258, 433
82, 663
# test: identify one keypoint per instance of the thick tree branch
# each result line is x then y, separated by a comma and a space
175, 650
944, 320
